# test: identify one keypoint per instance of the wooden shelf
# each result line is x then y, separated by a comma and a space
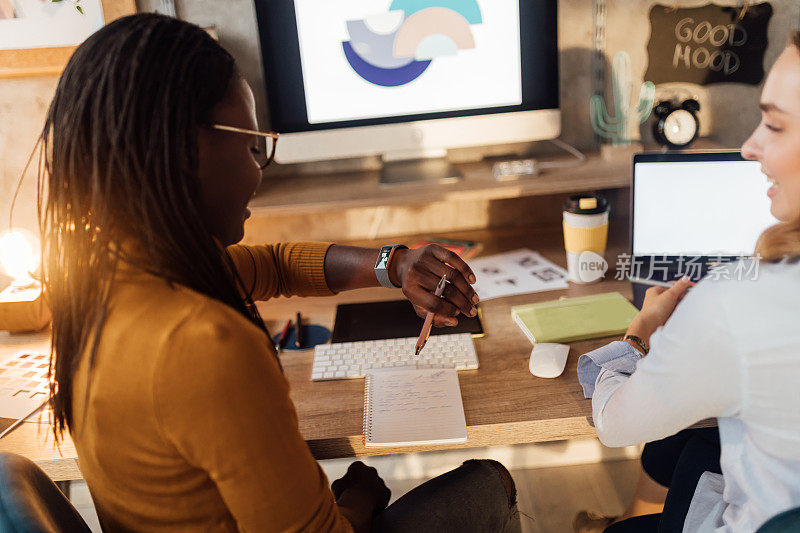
312, 193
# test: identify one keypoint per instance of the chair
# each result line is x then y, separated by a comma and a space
785, 522
31, 502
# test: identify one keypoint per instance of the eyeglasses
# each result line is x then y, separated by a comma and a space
267, 142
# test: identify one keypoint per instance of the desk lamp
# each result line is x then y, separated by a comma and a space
22, 307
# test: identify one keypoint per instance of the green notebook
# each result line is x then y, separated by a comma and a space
575, 319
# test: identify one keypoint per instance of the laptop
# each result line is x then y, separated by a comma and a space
691, 211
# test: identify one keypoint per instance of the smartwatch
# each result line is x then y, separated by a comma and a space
382, 265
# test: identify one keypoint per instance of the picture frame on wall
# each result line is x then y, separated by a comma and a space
37, 37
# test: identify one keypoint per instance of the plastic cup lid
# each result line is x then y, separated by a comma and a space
586, 204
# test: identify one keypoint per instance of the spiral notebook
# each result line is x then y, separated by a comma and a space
413, 407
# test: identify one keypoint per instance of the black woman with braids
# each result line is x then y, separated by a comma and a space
164, 374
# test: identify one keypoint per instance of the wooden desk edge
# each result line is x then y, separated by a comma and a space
477, 436
67, 469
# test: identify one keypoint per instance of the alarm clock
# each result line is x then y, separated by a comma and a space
676, 127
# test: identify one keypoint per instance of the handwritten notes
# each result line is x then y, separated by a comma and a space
709, 44
408, 407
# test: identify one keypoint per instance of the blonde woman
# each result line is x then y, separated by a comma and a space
730, 351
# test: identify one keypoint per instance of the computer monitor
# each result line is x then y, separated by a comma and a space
408, 79
698, 205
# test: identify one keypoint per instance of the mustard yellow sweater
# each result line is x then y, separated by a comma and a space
188, 425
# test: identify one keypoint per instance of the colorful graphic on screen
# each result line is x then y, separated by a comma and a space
395, 48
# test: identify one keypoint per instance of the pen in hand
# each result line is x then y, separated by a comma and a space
426, 327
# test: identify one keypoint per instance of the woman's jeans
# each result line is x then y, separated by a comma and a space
477, 496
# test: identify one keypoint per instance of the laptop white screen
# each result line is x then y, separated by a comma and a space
705, 208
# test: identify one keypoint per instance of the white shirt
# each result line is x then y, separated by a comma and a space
731, 350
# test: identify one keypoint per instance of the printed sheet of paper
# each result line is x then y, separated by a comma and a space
517, 272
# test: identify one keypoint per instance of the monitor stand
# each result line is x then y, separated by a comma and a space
418, 168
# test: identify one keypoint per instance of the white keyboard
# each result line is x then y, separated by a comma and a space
354, 359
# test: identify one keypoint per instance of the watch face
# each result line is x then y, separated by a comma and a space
383, 259
680, 127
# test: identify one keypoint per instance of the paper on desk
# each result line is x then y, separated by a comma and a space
517, 272
24, 385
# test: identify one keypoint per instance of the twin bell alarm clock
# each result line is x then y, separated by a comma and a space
676, 126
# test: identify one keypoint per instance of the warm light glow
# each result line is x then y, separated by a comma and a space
20, 255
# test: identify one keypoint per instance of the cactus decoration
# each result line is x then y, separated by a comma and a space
617, 128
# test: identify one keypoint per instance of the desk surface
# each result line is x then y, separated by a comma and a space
503, 402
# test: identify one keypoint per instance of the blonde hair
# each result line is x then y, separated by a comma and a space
782, 240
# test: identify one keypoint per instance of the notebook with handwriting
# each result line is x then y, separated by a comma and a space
413, 407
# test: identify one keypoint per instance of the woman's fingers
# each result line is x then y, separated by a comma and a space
453, 290
457, 298
421, 312
456, 281
421, 277
686, 290
446, 256
444, 310
674, 293
679, 288
438, 321
660, 302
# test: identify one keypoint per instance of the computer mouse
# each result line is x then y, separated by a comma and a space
548, 359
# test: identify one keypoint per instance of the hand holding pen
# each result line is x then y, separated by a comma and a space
426, 327
419, 271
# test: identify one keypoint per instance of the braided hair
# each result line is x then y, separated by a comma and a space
118, 161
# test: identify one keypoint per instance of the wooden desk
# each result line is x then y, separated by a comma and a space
503, 402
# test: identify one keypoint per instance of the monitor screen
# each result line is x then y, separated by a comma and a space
699, 207
345, 63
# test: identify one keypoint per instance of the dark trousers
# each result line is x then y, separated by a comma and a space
676, 462
479, 496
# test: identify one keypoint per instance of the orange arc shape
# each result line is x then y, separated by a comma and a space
432, 21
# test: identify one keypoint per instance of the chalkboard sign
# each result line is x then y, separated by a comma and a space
709, 44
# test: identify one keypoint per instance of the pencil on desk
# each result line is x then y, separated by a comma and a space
426, 327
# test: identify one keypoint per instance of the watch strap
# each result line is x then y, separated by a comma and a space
640, 344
